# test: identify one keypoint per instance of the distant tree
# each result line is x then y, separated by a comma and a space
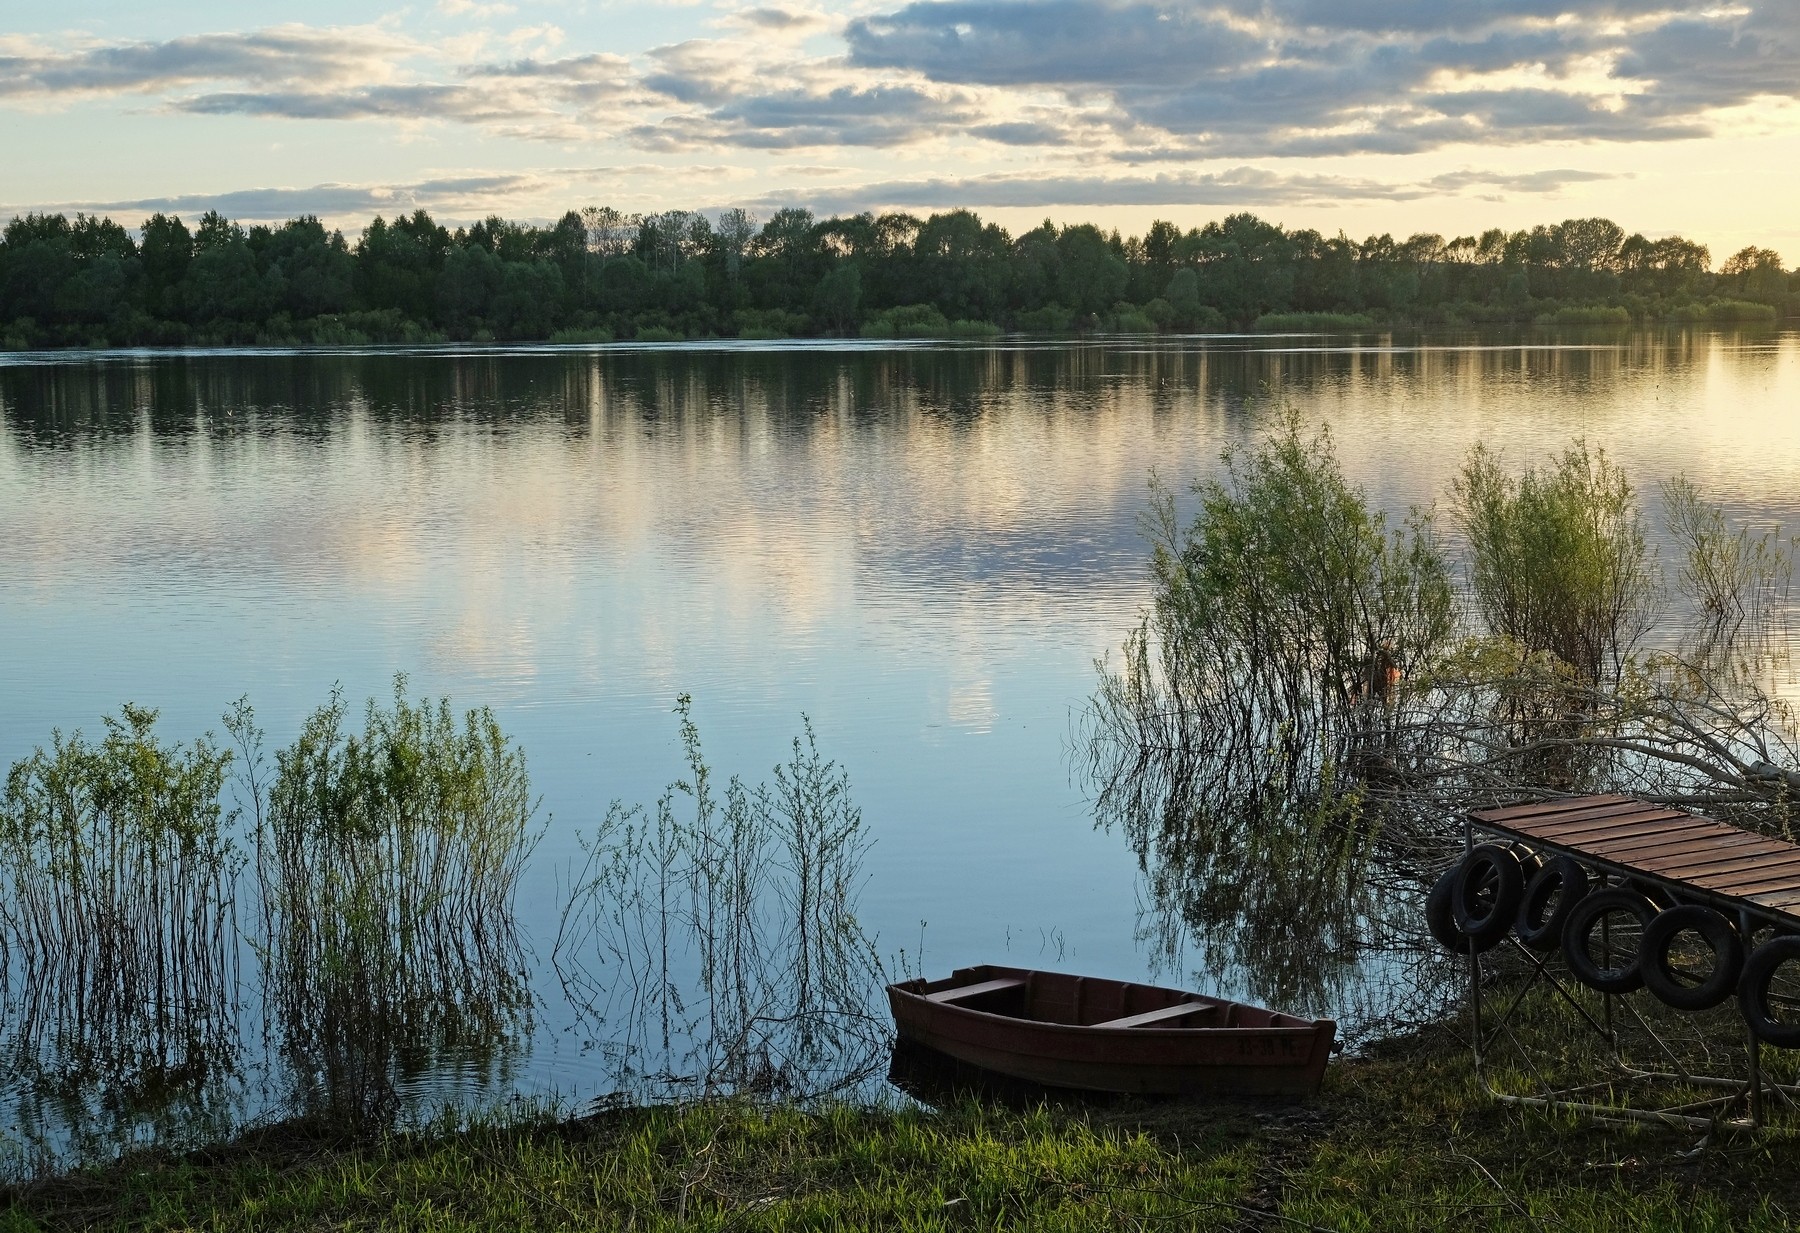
1183, 296
397, 264
315, 269
223, 281
736, 229
166, 250
838, 297
38, 260
1090, 278
467, 287
1755, 272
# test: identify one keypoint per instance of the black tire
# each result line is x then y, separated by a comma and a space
1438, 917
1717, 932
1564, 878
1486, 896
1584, 919
1753, 991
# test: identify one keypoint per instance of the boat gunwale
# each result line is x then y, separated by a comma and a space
1303, 1027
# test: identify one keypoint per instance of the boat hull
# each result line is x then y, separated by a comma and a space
1050, 1031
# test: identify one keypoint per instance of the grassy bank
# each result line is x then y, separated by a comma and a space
1402, 1139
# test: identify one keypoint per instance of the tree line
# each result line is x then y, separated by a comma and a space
599, 274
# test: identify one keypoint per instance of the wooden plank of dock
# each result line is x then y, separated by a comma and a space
1683, 851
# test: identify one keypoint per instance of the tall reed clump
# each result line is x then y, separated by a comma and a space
719, 934
388, 862
1737, 582
117, 906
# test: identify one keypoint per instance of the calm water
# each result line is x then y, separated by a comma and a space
922, 548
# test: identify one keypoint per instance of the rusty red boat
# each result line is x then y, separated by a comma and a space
1093, 1034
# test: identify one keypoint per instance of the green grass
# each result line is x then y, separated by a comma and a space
1401, 1139
1314, 321
1587, 314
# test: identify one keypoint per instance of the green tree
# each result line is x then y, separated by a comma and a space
838, 297
1090, 277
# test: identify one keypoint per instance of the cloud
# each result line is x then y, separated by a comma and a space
1020, 133
1140, 85
411, 102
531, 97
466, 195
798, 116
1238, 187
470, 8
1550, 180
331, 200
280, 54
777, 20
1307, 78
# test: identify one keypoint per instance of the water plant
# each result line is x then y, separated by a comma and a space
718, 937
1737, 581
117, 906
388, 863
1557, 558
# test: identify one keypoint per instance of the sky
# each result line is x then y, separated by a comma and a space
1361, 116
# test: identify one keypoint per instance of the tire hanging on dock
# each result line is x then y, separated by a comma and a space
1438, 917
1754, 992
1486, 895
1622, 976
1717, 932
1539, 926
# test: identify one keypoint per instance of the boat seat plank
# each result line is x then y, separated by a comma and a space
1152, 1017
963, 992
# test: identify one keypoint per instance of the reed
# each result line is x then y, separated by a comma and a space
117, 907
716, 935
388, 864
1737, 582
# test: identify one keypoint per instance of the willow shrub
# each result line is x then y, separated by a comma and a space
388, 862
117, 902
1287, 607
1270, 676
1557, 558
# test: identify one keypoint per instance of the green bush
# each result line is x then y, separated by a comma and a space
1130, 319
1744, 311
388, 862
118, 898
1314, 321
1587, 314
659, 334
1050, 319
768, 323
964, 328
908, 321
588, 334
1558, 561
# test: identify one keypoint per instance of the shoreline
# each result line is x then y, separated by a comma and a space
1401, 1138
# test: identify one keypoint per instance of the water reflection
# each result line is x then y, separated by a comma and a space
923, 547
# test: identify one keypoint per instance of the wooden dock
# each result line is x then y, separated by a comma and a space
1695, 857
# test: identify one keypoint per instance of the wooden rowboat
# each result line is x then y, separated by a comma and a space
1100, 1035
